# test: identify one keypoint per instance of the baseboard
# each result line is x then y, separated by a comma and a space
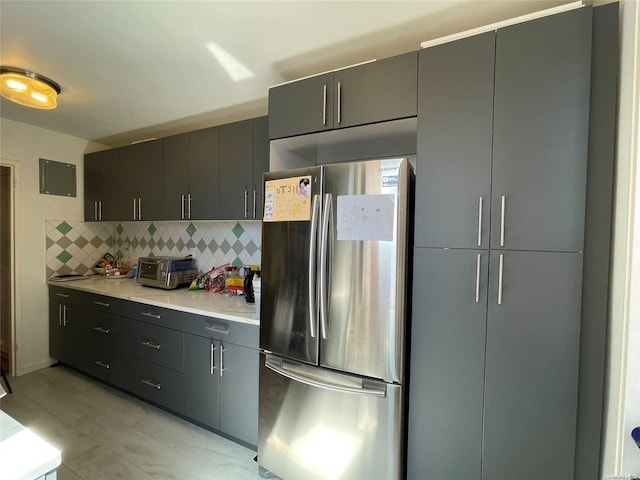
34, 367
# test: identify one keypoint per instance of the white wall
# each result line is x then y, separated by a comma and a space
22, 146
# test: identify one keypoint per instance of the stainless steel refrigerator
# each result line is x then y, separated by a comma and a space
333, 320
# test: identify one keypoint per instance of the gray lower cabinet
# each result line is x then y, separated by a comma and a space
494, 364
198, 366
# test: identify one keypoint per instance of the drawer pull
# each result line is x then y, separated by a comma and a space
102, 330
64, 295
151, 384
103, 365
151, 345
211, 328
102, 304
152, 315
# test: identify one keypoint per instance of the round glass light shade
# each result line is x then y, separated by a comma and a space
28, 88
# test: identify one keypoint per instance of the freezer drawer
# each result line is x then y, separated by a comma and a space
318, 424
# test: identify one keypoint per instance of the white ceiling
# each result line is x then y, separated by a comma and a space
131, 70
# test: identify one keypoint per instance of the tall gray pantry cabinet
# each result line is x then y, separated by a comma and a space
503, 138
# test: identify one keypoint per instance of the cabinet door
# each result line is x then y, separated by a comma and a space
141, 181
203, 174
447, 364
453, 183
236, 179
57, 310
176, 177
260, 164
304, 106
540, 133
202, 380
533, 340
101, 186
239, 392
377, 91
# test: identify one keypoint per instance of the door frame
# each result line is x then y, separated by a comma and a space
13, 305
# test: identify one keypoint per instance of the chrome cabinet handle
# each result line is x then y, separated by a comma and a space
255, 210
151, 344
139, 208
102, 304
60, 314
339, 102
246, 202
500, 271
63, 295
324, 105
182, 206
478, 278
95, 210
189, 206
102, 330
212, 364
151, 384
212, 328
221, 361
152, 315
480, 222
313, 319
100, 210
102, 364
135, 213
502, 209
324, 262
64, 315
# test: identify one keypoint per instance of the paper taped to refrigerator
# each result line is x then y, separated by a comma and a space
366, 217
287, 199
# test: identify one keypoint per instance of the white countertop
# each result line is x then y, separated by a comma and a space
199, 302
23, 454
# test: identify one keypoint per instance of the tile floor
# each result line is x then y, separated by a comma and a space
106, 434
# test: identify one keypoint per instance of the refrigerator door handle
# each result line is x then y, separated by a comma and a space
313, 309
281, 370
324, 250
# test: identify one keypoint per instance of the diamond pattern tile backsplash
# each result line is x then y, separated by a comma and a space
75, 247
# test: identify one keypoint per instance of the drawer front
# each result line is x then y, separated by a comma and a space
68, 295
223, 330
158, 345
162, 317
106, 364
104, 329
157, 384
102, 303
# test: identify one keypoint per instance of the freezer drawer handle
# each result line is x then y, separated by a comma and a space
224, 331
329, 386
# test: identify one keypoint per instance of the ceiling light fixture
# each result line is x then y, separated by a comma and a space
28, 88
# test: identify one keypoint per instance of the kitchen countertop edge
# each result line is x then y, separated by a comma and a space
196, 302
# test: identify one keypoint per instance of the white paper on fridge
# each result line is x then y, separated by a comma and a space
366, 217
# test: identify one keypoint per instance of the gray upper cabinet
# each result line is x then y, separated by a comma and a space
532, 351
304, 106
455, 115
541, 122
101, 185
377, 91
140, 178
190, 166
236, 156
260, 164
372, 92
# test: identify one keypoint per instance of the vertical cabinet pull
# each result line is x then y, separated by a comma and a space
135, 211
221, 361
501, 268
139, 208
60, 314
100, 210
182, 206
95, 210
480, 222
339, 102
212, 362
255, 212
478, 278
189, 206
502, 209
246, 202
324, 105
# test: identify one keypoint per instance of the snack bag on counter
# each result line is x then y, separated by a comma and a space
211, 281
